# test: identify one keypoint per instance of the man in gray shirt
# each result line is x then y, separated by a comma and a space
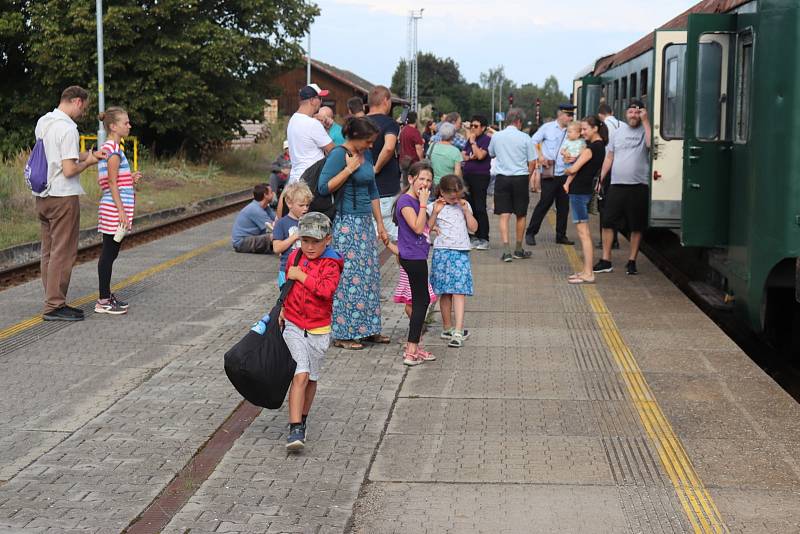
628, 199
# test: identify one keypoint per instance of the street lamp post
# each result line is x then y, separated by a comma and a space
101, 96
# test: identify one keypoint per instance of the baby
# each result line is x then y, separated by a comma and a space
574, 143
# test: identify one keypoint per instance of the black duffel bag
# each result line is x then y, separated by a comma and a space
261, 367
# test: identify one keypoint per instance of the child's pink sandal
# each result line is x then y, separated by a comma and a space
411, 358
425, 355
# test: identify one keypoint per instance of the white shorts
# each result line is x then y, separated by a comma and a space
386, 215
308, 350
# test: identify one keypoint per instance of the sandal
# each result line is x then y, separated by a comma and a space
579, 280
425, 355
348, 344
411, 359
377, 338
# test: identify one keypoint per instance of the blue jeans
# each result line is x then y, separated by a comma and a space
579, 205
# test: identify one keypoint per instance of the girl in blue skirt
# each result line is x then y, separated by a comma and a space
451, 272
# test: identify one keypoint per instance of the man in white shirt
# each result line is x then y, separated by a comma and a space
308, 140
58, 206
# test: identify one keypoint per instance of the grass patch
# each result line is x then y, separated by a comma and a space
166, 183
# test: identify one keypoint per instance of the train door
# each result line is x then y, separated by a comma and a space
705, 209
667, 118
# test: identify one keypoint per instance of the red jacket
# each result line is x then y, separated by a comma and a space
310, 305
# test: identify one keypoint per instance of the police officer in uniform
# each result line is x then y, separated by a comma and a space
549, 140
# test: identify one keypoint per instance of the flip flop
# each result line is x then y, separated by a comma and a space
579, 280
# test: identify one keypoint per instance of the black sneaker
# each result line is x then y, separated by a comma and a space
564, 241
64, 313
76, 311
530, 240
603, 266
521, 254
121, 303
630, 268
506, 257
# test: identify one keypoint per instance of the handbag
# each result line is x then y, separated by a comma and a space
550, 172
260, 366
593, 207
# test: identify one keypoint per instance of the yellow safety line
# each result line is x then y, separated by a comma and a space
697, 503
33, 321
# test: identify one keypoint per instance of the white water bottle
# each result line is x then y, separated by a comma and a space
120, 233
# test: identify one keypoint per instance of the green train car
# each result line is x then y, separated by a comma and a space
722, 86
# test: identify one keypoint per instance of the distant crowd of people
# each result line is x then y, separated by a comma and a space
381, 180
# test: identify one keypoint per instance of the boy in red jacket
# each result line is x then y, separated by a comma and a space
306, 316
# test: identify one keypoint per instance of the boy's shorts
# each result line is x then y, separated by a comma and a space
308, 350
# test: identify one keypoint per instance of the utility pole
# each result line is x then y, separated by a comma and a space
101, 95
308, 58
500, 101
412, 74
494, 118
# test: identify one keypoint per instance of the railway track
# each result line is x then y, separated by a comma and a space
19, 274
663, 250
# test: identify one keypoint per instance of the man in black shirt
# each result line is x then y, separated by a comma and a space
384, 157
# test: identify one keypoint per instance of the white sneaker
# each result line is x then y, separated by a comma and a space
483, 244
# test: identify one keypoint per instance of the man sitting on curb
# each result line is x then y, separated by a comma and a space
252, 230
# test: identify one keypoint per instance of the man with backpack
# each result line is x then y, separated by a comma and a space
57, 204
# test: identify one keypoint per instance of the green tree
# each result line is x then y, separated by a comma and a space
15, 95
437, 78
188, 72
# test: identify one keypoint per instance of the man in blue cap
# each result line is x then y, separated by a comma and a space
551, 137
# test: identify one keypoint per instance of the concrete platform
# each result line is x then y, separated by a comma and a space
611, 408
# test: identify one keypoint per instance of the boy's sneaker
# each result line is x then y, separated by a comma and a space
447, 334
630, 268
456, 340
296, 440
522, 254
483, 244
506, 257
121, 303
603, 266
64, 313
109, 307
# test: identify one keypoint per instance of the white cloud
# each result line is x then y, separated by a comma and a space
610, 15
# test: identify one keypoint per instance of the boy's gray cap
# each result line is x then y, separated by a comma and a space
314, 224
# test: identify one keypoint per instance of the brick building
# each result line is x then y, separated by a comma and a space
341, 83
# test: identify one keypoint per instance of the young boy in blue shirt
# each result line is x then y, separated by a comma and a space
285, 236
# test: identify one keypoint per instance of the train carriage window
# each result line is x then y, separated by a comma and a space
643, 85
744, 60
616, 98
672, 92
634, 94
709, 88
625, 92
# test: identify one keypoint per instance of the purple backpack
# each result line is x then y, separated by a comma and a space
36, 168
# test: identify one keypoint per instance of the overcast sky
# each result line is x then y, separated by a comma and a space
531, 38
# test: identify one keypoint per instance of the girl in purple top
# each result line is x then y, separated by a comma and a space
411, 217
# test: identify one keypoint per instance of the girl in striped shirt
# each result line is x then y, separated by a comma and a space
116, 204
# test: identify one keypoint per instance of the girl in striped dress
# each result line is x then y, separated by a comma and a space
116, 205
